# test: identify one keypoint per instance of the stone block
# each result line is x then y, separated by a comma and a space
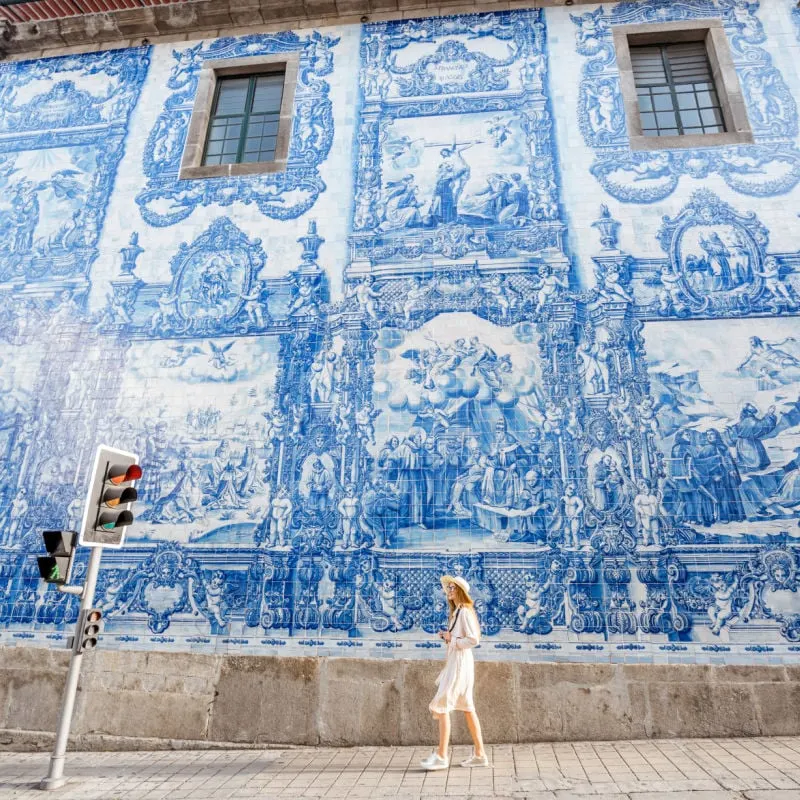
39, 35
136, 22
360, 701
748, 673
266, 699
701, 709
778, 708
33, 699
141, 714
666, 673
175, 17
417, 726
213, 14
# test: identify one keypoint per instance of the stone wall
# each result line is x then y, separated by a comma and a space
130, 700
570, 375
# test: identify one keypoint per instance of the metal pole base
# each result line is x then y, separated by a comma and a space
48, 784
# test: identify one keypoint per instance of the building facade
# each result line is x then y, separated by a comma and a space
490, 309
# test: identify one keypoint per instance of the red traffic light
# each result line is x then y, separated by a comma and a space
119, 473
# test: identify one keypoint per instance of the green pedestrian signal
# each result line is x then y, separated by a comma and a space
56, 566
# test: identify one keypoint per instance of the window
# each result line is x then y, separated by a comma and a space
676, 90
242, 117
244, 120
679, 86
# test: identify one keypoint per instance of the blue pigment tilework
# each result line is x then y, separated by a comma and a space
614, 469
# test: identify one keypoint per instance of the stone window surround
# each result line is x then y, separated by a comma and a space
192, 163
712, 32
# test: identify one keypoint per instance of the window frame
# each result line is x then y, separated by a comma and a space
726, 82
192, 166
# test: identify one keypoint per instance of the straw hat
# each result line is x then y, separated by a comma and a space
460, 582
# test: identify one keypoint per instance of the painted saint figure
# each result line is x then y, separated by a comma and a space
451, 176
746, 435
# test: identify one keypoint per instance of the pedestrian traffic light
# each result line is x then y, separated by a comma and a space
89, 626
107, 513
56, 566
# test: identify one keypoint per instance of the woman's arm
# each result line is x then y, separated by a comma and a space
469, 633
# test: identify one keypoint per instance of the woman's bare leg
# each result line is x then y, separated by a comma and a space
474, 725
444, 734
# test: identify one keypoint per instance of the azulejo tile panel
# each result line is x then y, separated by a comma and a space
769, 166
613, 467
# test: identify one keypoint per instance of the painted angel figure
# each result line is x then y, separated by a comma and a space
342, 417
365, 419
214, 597
610, 287
219, 358
500, 131
549, 286
594, 366
721, 612
604, 115
415, 297
306, 299
366, 296
774, 283
276, 424
255, 305
670, 295
765, 95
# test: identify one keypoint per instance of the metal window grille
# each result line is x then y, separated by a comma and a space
244, 119
676, 90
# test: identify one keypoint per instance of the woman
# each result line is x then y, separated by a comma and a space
457, 679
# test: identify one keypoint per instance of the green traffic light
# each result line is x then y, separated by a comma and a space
54, 575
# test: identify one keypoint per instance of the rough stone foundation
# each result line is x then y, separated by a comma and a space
128, 700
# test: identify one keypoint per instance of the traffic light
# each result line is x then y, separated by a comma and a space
89, 626
56, 566
108, 513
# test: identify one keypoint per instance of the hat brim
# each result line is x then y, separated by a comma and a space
445, 579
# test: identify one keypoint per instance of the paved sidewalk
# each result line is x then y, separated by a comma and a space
691, 769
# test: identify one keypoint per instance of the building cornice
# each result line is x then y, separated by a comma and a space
202, 19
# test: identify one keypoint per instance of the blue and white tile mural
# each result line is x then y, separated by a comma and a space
467, 330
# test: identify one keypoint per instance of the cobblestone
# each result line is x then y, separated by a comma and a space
696, 769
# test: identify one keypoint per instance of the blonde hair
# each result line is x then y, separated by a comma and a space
461, 599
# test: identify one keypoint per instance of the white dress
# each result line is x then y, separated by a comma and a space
457, 679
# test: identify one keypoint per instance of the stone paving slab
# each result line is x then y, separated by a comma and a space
696, 769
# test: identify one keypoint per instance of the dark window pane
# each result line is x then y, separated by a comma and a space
690, 119
268, 93
672, 78
245, 119
711, 116
706, 99
663, 102
666, 119
648, 120
232, 96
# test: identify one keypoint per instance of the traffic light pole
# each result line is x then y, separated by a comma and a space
55, 776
